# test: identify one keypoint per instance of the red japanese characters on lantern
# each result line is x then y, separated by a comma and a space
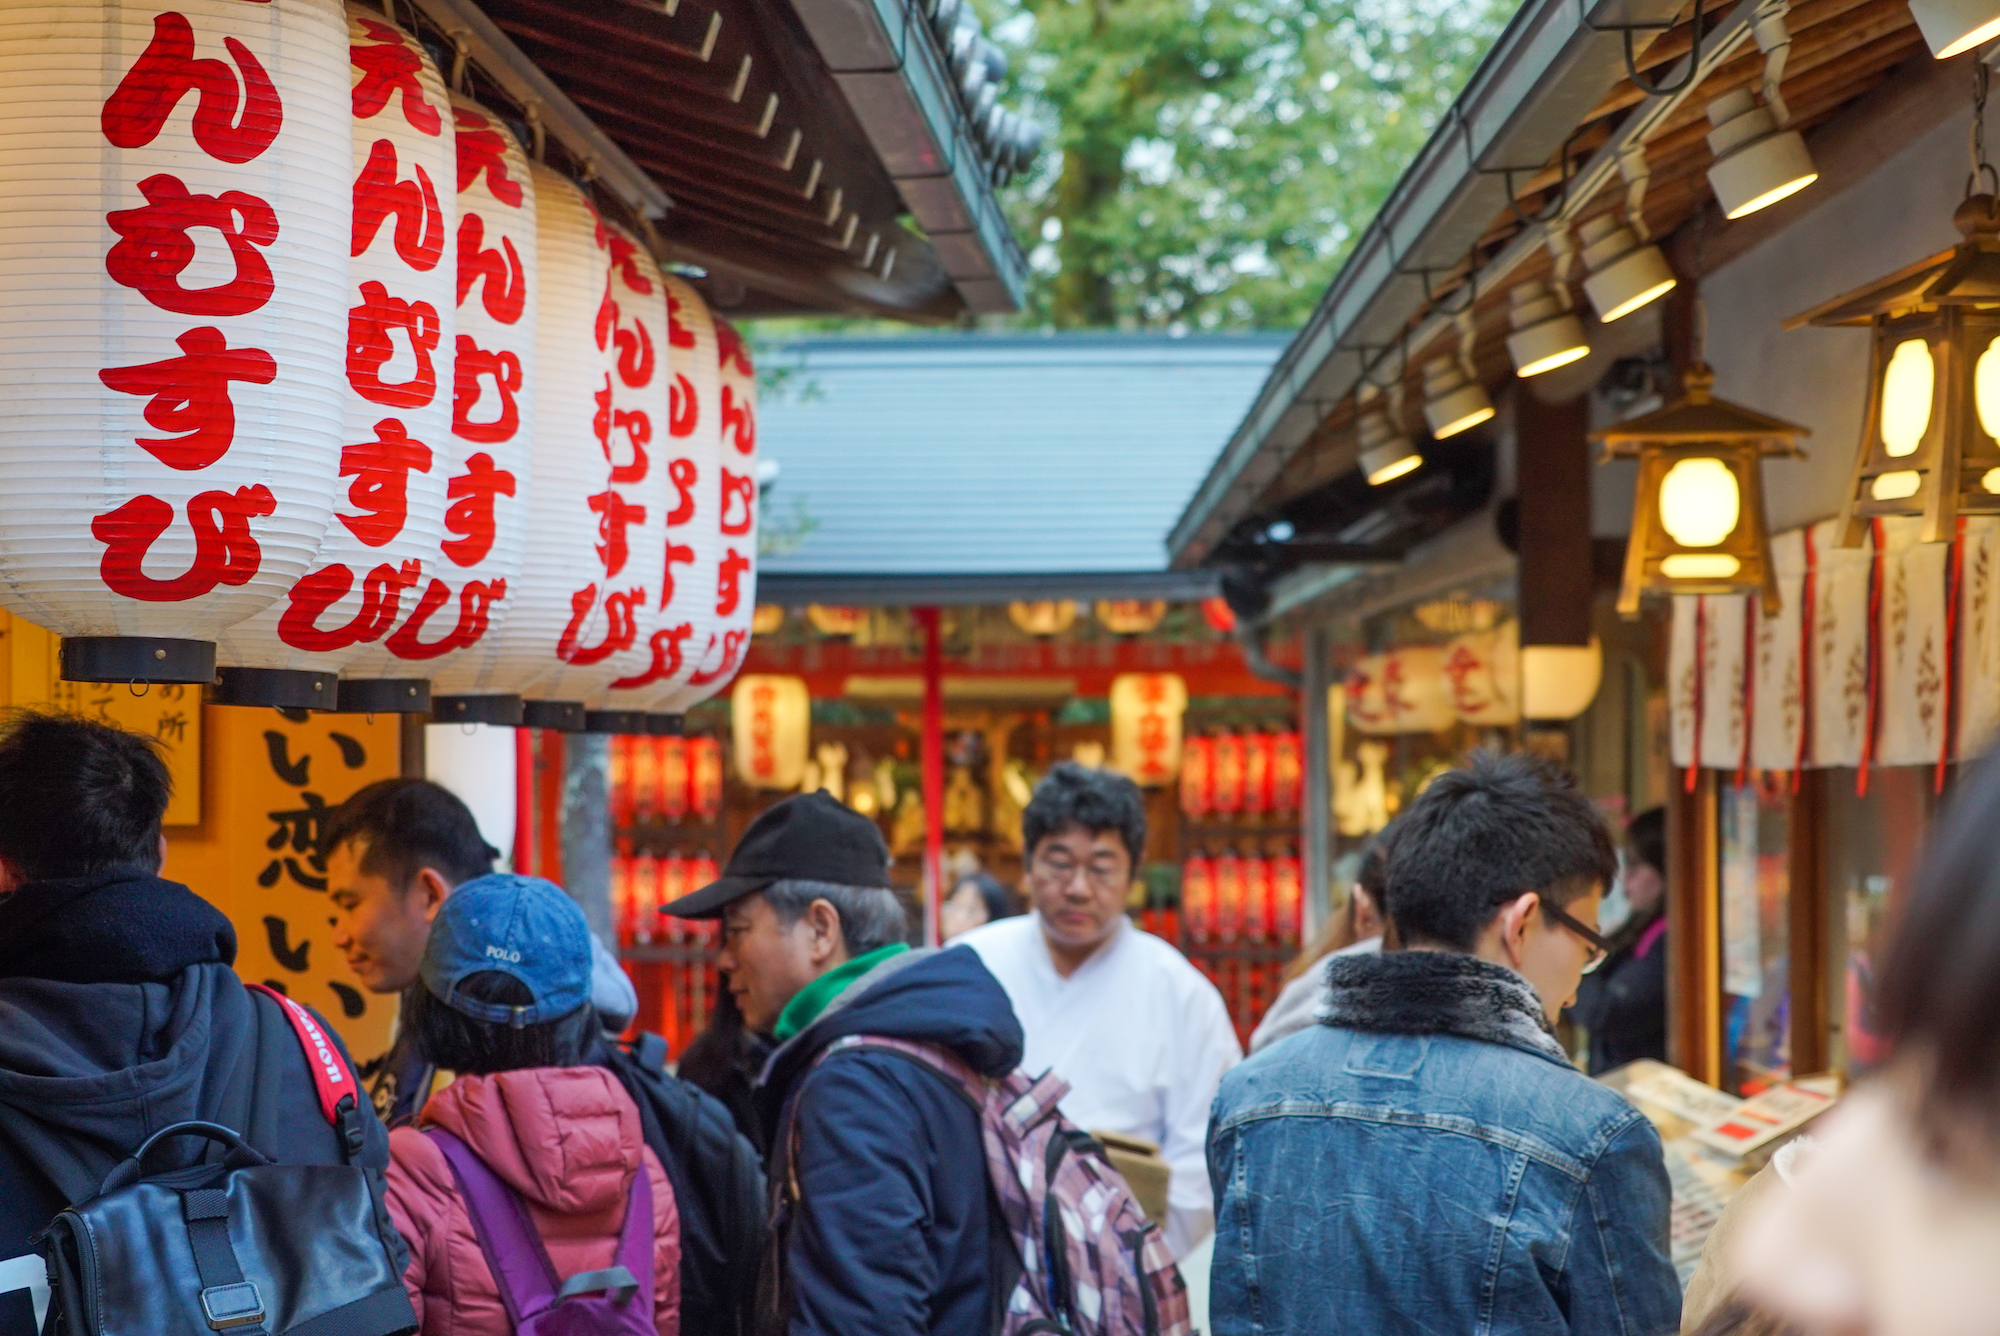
488, 456
1146, 713
692, 448
1227, 786
566, 617
1368, 710
389, 505
172, 286
705, 777
1482, 677
716, 661
770, 724
1197, 776
633, 403
1198, 897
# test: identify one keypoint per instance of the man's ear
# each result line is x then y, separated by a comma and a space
1515, 917
163, 854
825, 945
434, 888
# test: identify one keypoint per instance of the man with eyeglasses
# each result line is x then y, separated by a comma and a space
1142, 1037
1427, 1157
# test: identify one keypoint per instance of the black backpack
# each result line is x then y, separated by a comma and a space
718, 1183
240, 1245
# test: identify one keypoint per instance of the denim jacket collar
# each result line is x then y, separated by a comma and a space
1438, 992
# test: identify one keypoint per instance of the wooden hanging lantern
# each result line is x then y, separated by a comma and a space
1698, 524
1930, 437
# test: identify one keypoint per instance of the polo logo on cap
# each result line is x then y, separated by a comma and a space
502, 953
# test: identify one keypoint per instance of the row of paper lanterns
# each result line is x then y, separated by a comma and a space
311, 373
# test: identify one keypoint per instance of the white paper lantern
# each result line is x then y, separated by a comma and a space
566, 619
632, 429
720, 654
1146, 714
174, 189
770, 727
694, 463
493, 427
382, 546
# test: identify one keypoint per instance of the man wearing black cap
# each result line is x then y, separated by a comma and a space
877, 1163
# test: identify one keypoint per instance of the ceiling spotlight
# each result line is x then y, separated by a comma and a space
1953, 26
1757, 163
1546, 334
1453, 400
1625, 274
1386, 453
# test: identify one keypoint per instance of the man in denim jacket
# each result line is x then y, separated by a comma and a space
1426, 1159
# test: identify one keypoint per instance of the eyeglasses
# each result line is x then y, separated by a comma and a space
1599, 948
1100, 876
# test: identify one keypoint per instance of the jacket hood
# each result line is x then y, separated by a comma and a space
89, 1071
945, 997
566, 1138
120, 926
1438, 992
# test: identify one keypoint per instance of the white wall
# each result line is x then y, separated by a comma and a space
1817, 377
476, 761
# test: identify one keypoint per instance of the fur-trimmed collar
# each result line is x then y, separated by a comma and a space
1438, 992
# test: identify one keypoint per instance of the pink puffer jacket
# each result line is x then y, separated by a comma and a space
568, 1140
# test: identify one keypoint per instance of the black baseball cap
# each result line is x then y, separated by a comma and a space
810, 837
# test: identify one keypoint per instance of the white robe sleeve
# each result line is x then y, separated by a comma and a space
1209, 1050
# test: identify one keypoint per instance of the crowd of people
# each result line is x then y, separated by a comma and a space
877, 1137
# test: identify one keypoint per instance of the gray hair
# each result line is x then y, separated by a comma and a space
871, 917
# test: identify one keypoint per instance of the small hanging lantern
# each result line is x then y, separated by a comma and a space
771, 724
1044, 617
1928, 434
1146, 713
1131, 616
1698, 523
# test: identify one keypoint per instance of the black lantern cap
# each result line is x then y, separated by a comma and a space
275, 688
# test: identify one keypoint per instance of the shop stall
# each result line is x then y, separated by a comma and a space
451, 435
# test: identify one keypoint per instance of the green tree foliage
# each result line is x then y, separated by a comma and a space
1210, 162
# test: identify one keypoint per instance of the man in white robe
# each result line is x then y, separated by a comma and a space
1142, 1037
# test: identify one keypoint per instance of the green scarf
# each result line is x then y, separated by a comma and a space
815, 997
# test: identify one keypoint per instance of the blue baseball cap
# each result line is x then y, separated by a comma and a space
523, 927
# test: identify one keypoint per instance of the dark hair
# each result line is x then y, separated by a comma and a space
1646, 838
407, 825
459, 1043
1001, 902
78, 797
1496, 828
1938, 989
1098, 800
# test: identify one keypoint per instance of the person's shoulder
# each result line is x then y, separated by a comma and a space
1553, 1100
1004, 936
1169, 963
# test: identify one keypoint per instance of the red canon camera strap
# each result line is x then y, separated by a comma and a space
331, 1076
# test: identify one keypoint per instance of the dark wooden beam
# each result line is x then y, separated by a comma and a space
1552, 473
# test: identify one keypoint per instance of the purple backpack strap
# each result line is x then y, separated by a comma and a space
514, 1251
935, 1056
518, 1259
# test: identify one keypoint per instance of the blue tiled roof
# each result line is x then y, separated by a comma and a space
998, 455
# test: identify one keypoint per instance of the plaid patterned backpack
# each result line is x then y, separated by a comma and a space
1091, 1264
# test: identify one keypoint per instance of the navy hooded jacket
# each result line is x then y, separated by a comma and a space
120, 1015
889, 1233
